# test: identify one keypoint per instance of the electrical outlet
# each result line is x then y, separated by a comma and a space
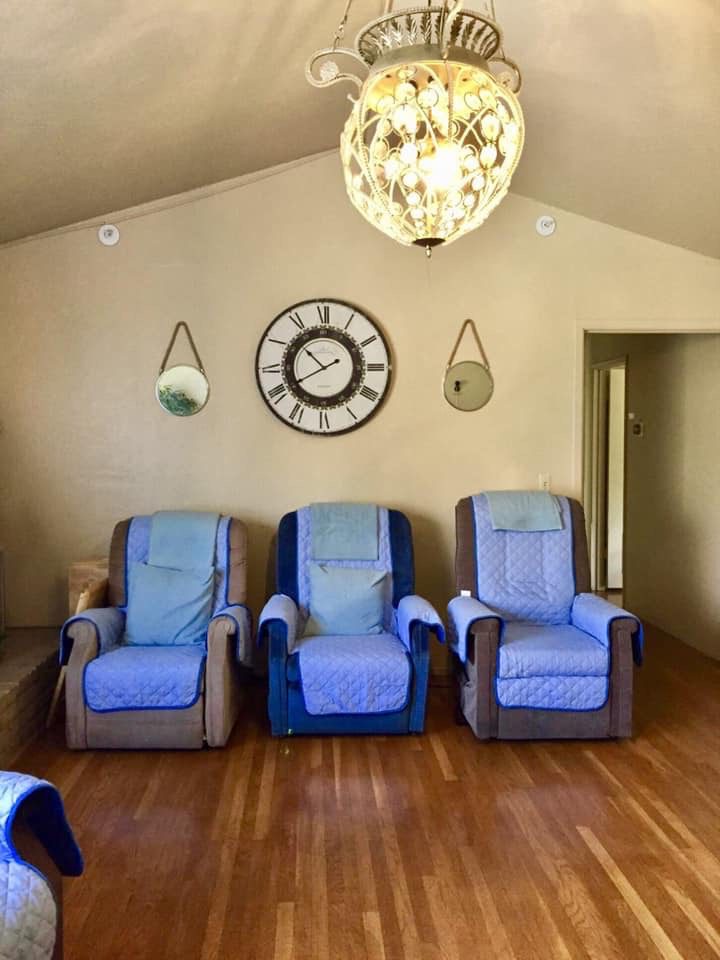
544, 482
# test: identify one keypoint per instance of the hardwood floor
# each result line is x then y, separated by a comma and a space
418, 848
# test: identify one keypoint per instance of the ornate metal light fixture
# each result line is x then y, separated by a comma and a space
434, 136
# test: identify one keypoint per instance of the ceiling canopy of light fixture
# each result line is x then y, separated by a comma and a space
434, 136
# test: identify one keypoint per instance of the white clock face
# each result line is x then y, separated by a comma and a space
323, 367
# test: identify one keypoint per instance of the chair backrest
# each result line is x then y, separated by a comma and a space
295, 554
524, 576
130, 544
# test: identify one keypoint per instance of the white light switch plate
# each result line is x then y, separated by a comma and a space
544, 481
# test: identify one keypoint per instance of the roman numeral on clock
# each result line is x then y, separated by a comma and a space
324, 311
369, 393
351, 413
297, 412
366, 343
271, 368
277, 393
297, 320
323, 418
376, 367
349, 321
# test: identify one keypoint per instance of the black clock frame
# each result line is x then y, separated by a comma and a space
319, 403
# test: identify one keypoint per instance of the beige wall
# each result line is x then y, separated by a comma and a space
84, 328
672, 545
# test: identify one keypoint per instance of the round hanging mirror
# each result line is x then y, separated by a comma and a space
183, 389
468, 385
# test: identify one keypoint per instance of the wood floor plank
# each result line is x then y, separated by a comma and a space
284, 931
694, 915
666, 948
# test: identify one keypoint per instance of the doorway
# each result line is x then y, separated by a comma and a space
607, 475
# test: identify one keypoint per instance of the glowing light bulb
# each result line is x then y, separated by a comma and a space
490, 126
392, 168
405, 118
488, 155
408, 153
444, 169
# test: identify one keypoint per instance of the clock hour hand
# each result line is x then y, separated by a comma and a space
312, 355
308, 375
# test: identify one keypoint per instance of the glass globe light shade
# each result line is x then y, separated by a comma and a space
429, 149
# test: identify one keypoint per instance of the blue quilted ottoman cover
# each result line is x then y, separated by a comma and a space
551, 667
145, 678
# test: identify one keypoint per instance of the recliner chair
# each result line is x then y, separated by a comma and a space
348, 641
537, 655
181, 688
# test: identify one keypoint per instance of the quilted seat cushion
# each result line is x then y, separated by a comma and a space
145, 678
353, 674
543, 667
537, 650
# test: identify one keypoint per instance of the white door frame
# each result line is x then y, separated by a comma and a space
597, 501
585, 326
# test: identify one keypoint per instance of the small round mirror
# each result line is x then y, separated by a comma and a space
468, 385
182, 390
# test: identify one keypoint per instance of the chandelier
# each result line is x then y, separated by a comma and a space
434, 136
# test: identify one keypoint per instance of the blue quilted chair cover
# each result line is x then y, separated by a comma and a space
28, 911
375, 683
554, 651
133, 677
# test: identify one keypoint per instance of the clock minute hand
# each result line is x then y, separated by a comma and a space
325, 367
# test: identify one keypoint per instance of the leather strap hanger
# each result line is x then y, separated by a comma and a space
178, 325
466, 324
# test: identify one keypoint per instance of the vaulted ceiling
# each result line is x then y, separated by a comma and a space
108, 105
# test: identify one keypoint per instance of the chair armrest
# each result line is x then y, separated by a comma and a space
413, 609
281, 612
107, 623
228, 644
37, 805
233, 621
464, 613
596, 616
279, 621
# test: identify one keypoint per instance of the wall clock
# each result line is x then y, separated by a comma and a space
323, 367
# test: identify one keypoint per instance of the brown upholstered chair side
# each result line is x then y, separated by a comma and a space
116, 565
223, 687
621, 679
581, 560
237, 573
465, 560
475, 676
85, 649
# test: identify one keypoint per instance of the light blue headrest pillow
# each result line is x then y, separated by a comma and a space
345, 601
